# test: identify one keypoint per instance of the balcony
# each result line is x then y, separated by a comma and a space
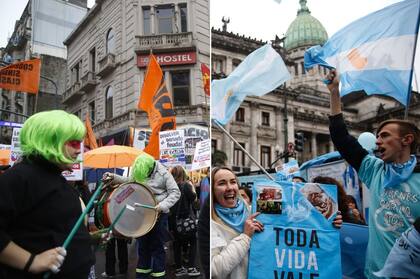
72, 93
106, 65
174, 42
88, 82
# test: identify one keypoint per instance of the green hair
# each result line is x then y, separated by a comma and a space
45, 133
142, 167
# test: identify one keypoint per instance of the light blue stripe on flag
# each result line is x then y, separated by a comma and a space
261, 72
374, 53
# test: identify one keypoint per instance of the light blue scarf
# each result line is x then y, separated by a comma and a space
396, 173
234, 217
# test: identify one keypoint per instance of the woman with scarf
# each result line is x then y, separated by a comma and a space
232, 226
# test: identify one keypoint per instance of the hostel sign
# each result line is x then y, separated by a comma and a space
172, 58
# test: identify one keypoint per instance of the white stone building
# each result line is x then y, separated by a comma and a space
107, 58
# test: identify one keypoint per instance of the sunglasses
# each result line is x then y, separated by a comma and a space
73, 144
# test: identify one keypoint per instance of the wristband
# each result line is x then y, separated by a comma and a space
29, 263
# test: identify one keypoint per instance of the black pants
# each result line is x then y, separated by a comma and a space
110, 258
179, 243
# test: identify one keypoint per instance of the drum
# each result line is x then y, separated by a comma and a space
135, 221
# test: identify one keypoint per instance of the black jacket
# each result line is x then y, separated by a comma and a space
38, 209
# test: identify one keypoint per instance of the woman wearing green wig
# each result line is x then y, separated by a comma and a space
38, 208
151, 253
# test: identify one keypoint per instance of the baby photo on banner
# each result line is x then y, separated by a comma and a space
299, 240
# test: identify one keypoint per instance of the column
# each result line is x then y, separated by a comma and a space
331, 146
153, 20
229, 64
279, 128
253, 150
313, 145
177, 19
227, 145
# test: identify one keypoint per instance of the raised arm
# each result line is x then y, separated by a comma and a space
347, 145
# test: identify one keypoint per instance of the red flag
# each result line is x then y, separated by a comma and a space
156, 101
205, 71
21, 76
90, 139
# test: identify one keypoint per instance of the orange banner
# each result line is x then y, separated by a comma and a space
156, 101
22, 76
205, 71
90, 139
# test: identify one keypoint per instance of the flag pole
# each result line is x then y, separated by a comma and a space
412, 67
243, 149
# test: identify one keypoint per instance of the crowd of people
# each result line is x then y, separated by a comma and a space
38, 207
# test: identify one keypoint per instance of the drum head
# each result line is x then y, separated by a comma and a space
137, 222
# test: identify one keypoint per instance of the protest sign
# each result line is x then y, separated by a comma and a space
15, 152
298, 240
172, 148
202, 155
76, 173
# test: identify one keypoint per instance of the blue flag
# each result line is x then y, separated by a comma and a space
261, 72
354, 240
298, 240
374, 53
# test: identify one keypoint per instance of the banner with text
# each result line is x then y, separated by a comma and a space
172, 148
299, 240
202, 156
22, 76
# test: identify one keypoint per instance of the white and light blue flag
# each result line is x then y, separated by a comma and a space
261, 72
374, 53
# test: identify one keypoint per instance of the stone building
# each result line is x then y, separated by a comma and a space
39, 33
301, 106
108, 54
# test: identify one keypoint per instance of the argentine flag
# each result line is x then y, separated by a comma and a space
261, 72
374, 53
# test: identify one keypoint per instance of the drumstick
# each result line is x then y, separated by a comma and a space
79, 222
144, 205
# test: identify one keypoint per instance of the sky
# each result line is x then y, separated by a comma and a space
270, 18
261, 21
11, 10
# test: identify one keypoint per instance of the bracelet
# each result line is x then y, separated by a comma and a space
29, 263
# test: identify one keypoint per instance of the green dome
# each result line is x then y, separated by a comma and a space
305, 30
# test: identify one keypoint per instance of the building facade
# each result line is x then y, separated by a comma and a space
266, 126
31, 40
108, 54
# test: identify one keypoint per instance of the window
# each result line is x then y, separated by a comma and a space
181, 88
213, 145
239, 155
75, 73
235, 63
265, 118
303, 68
92, 59
92, 115
78, 113
146, 21
109, 103
217, 65
165, 18
265, 159
184, 22
296, 70
110, 41
240, 115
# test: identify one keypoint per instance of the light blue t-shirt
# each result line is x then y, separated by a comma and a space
391, 211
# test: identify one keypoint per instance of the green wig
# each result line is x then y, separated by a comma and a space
142, 167
45, 133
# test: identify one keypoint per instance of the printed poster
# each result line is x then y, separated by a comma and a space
299, 240
172, 148
202, 155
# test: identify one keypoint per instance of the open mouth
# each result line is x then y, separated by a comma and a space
381, 151
230, 197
